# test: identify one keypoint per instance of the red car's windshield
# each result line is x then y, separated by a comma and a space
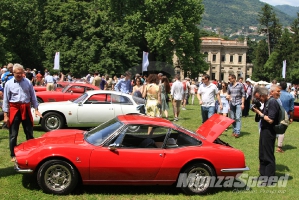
99, 134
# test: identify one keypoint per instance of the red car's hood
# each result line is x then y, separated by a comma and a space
55, 137
62, 133
214, 127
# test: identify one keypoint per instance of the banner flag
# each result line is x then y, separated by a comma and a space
56, 61
145, 61
284, 68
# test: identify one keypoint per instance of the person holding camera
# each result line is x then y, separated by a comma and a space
269, 117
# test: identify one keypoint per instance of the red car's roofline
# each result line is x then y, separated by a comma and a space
145, 120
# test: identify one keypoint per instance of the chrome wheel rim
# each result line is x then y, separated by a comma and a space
57, 177
199, 179
52, 122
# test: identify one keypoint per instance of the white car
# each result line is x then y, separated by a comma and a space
89, 110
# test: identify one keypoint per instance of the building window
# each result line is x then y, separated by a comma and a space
222, 76
214, 57
213, 76
240, 59
206, 56
223, 58
231, 59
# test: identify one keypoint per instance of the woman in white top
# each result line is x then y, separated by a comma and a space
223, 107
192, 91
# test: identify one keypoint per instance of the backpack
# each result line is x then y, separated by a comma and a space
283, 119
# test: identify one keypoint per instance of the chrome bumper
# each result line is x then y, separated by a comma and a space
235, 169
23, 171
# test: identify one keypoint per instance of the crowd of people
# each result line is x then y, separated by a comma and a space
233, 99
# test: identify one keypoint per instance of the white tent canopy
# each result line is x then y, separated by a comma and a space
263, 83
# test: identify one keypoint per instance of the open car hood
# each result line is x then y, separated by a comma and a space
214, 127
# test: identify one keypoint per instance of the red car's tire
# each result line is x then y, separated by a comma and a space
199, 178
57, 177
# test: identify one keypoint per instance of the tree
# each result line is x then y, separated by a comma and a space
261, 57
282, 52
164, 28
19, 33
270, 26
101, 35
294, 58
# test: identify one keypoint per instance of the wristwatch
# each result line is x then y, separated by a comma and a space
262, 116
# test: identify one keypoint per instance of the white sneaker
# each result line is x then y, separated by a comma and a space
184, 109
175, 119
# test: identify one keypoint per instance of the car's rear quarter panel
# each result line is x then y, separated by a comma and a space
220, 157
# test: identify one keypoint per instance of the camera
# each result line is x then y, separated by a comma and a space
255, 104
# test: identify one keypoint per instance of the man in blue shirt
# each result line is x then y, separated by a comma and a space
8, 74
49, 81
124, 85
287, 102
18, 97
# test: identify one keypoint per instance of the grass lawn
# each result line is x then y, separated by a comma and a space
19, 186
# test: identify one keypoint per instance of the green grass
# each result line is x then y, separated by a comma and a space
19, 186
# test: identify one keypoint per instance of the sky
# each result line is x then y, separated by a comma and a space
282, 2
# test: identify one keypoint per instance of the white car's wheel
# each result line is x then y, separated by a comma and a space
52, 121
57, 177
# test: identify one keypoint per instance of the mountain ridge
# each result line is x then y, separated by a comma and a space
289, 10
235, 14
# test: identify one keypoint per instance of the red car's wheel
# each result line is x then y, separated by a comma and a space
199, 176
57, 177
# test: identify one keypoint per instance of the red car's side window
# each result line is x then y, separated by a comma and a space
136, 136
76, 89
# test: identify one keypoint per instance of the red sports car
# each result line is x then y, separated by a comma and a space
69, 92
131, 149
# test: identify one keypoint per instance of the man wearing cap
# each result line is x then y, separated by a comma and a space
248, 92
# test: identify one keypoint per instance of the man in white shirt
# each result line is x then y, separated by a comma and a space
206, 97
177, 92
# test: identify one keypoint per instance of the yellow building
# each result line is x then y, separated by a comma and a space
226, 57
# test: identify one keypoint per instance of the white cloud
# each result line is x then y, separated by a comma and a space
282, 2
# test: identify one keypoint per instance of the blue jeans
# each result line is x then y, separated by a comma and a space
236, 114
207, 112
